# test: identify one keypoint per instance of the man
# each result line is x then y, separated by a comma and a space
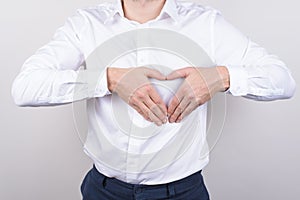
241, 68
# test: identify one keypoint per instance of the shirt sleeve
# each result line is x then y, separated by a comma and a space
253, 72
54, 75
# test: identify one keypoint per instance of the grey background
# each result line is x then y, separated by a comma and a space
257, 156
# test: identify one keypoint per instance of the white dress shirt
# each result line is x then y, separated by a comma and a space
50, 77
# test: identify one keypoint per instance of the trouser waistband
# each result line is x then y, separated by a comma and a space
170, 188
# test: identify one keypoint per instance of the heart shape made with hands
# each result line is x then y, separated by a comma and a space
166, 88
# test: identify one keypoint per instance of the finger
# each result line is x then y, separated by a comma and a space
155, 109
154, 118
179, 109
180, 73
190, 108
140, 107
153, 73
142, 113
158, 101
148, 114
142, 96
175, 101
173, 104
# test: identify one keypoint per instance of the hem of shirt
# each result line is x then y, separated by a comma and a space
101, 168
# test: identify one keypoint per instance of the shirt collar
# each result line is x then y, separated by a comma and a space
119, 8
170, 8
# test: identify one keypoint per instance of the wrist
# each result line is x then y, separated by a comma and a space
224, 77
114, 75
111, 83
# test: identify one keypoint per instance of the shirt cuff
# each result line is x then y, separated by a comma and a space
95, 81
238, 80
101, 86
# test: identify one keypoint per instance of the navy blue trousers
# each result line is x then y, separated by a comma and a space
96, 186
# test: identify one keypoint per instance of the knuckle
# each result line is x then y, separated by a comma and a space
199, 101
178, 110
173, 106
158, 113
148, 88
157, 101
139, 94
191, 96
154, 108
147, 118
148, 113
139, 111
175, 101
133, 100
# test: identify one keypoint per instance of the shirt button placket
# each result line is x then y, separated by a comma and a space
141, 53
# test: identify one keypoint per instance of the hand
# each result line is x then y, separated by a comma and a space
134, 87
199, 86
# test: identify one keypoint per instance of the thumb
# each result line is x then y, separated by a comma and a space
153, 73
180, 73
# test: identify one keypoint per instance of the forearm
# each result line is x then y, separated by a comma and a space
265, 81
253, 72
44, 87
